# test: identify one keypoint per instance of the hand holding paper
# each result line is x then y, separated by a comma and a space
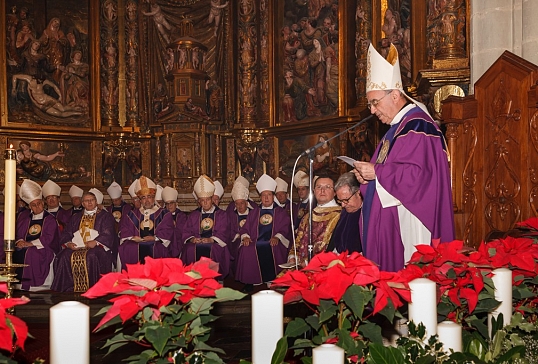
79, 241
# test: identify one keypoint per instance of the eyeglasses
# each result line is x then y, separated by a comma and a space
326, 187
346, 200
375, 102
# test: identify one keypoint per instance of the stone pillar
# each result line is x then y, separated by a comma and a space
495, 25
529, 41
248, 82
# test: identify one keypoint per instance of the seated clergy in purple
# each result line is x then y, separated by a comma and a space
36, 240
89, 241
206, 232
118, 207
265, 238
169, 196
237, 214
51, 194
146, 231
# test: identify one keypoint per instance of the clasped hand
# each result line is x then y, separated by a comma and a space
202, 240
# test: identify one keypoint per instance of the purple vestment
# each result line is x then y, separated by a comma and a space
236, 222
38, 260
415, 171
179, 218
163, 229
98, 260
220, 233
62, 216
248, 263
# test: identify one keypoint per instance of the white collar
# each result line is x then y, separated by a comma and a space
38, 216
149, 211
210, 211
90, 212
54, 209
331, 203
401, 113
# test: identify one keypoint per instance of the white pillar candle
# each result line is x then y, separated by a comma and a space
267, 325
70, 333
10, 192
423, 305
502, 280
328, 353
450, 336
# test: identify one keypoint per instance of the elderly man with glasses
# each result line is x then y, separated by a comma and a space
406, 186
325, 216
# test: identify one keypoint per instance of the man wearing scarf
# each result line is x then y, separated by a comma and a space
90, 244
36, 240
146, 231
206, 232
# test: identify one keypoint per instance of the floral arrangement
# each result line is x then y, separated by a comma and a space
171, 306
13, 331
346, 295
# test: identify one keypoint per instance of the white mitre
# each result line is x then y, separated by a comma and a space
204, 187
266, 183
301, 179
219, 190
384, 74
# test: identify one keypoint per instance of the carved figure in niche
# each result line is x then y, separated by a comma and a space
163, 26
110, 162
110, 93
182, 57
134, 163
195, 58
54, 43
331, 61
110, 10
110, 55
33, 163
43, 101
215, 13
34, 62
215, 100
194, 109
301, 66
184, 162
131, 10
75, 82
246, 7
161, 103
246, 158
169, 57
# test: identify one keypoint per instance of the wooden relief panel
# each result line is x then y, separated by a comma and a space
48, 62
60, 161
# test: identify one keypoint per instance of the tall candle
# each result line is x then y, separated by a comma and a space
70, 333
502, 280
328, 353
267, 325
423, 305
450, 335
9, 194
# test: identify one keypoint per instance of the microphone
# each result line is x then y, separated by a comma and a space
311, 149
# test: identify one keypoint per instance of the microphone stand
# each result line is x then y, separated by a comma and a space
310, 153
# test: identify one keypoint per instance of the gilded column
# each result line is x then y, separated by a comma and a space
167, 159
248, 40
157, 157
197, 155
109, 63
131, 67
265, 40
218, 156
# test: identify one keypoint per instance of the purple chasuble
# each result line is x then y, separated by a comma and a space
220, 230
98, 260
179, 218
38, 260
130, 251
415, 171
248, 262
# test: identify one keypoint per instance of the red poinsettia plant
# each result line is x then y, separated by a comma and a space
343, 293
13, 331
170, 304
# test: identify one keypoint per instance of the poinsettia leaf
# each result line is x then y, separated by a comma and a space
228, 294
371, 331
346, 342
388, 311
296, 327
327, 309
158, 337
314, 322
356, 298
280, 351
380, 354
202, 346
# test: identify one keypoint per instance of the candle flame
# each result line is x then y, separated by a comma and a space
10, 146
